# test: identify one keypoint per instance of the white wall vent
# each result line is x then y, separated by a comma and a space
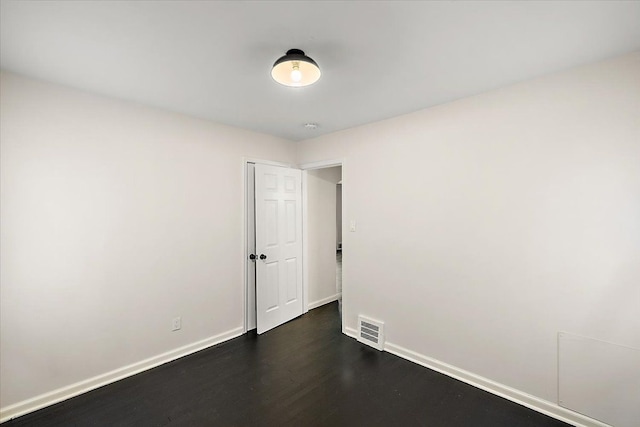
371, 332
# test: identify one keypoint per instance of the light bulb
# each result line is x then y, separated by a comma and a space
296, 75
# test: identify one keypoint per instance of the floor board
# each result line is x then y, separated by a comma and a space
304, 373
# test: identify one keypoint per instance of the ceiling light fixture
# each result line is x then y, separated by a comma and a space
295, 69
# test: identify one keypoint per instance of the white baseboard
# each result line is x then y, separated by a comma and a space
55, 396
540, 405
514, 395
324, 301
353, 333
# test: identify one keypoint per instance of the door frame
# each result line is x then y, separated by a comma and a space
245, 232
322, 164
305, 238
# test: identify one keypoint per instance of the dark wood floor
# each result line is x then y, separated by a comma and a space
304, 373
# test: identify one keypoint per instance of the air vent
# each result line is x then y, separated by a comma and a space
371, 332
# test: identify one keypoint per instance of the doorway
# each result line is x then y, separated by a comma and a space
341, 243
323, 235
317, 290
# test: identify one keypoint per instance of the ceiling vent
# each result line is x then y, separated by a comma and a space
371, 332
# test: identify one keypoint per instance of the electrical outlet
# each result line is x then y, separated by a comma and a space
177, 324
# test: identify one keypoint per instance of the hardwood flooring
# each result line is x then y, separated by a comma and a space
304, 373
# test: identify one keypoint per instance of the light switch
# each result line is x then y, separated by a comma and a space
352, 225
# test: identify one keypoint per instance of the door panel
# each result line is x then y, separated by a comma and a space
278, 207
292, 275
273, 291
271, 222
290, 221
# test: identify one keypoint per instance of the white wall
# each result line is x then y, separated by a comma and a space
115, 219
487, 225
321, 232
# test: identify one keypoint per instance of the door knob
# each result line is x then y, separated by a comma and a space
252, 257
263, 256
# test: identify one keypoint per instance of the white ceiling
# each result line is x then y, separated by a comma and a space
379, 59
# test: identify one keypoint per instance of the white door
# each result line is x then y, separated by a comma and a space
278, 207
